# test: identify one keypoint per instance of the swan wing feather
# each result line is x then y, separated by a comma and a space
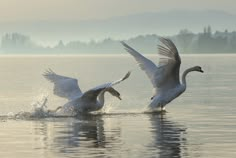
167, 75
145, 64
94, 92
65, 87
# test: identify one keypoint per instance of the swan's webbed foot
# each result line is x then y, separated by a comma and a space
54, 111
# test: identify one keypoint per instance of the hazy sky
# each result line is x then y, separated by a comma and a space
25, 10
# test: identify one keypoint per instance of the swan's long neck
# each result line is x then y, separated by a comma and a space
185, 74
101, 97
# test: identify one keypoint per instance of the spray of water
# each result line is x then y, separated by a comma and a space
39, 109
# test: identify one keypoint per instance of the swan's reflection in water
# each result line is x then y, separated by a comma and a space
122, 135
169, 138
87, 135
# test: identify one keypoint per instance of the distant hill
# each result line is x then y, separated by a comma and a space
123, 27
206, 41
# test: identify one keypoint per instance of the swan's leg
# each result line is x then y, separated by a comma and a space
58, 108
163, 108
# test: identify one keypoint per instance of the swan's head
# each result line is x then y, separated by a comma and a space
115, 93
198, 68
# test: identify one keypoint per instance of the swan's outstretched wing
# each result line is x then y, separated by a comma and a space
65, 87
166, 73
93, 93
145, 64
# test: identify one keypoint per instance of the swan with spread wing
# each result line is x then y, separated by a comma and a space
164, 76
79, 102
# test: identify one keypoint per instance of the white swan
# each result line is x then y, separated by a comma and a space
91, 100
164, 76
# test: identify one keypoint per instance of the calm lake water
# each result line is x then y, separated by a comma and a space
200, 123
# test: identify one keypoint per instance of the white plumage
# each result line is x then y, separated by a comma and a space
164, 76
88, 101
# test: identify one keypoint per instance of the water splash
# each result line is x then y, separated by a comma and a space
65, 110
107, 108
39, 109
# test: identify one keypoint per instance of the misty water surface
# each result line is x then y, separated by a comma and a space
200, 123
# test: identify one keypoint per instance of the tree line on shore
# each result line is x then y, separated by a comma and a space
186, 41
